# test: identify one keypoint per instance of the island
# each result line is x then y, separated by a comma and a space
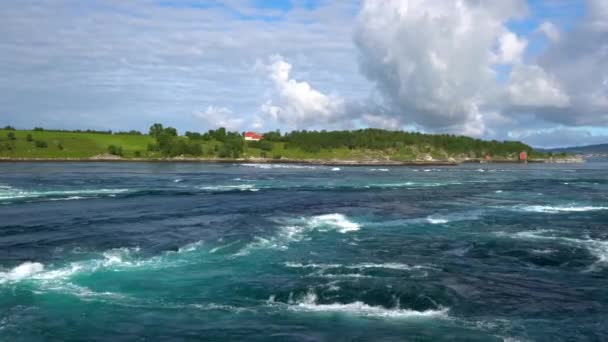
348, 147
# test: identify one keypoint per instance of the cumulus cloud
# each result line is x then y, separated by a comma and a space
578, 62
511, 48
436, 64
433, 60
214, 117
530, 86
550, 30
297, 103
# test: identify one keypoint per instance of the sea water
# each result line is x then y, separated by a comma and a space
257, 252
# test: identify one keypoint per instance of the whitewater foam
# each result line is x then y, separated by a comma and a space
10, 193
23, 271
114, 259
296, 231
558, 209
389, 265
279, 166
309, 303
338, 221
222, 188
437, 220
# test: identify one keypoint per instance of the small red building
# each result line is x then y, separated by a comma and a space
523, 156
251, 136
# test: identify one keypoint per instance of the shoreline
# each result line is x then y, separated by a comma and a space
286, 161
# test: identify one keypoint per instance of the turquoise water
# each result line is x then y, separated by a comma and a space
153, 251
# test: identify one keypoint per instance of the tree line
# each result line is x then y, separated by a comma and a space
226, 144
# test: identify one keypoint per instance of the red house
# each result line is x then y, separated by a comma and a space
523, 156
250, 136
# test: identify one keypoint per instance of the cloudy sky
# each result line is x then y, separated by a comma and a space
533, 70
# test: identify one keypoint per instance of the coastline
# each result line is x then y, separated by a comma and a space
334, 162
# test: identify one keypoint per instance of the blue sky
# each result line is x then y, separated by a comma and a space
310, 64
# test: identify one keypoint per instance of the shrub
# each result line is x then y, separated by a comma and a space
29, 138
60, 146
41, 144
11, 136
137, 154
115, 150
38, 129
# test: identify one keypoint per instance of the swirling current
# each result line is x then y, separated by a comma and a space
258, 252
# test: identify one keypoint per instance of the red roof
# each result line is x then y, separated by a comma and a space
523, 155
253, 135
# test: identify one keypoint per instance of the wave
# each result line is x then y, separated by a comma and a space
25, 270
558, 209
309, 303
597, 248
118, 259
380, 170
296, 230
279, 166
333, 221
454, 217
389, 265
336, 169
8, 193
223, 188
436, 220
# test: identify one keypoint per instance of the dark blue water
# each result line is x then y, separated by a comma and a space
154, 251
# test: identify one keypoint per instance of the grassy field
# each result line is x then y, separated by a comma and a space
69, 145
86, 145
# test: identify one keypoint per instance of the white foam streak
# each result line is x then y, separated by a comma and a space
114, 259
25, 270
390, 265
279, 166
559, 209
10, 193
436, 220
241, 187
309, 304
338, 221
298, 229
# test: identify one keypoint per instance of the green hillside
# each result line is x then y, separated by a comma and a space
358, 145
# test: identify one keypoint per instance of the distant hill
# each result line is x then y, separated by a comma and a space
588, 149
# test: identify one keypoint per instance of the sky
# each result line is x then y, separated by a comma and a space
534, 70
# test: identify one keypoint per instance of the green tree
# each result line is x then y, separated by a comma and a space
29, 138
41, 144
115, 150
156, 129
11, 136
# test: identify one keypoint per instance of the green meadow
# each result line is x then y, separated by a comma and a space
68, 144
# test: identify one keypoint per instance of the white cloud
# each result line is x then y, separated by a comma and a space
433, 60
298, 104
215, 117
531, 86
550, 30
511, 48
